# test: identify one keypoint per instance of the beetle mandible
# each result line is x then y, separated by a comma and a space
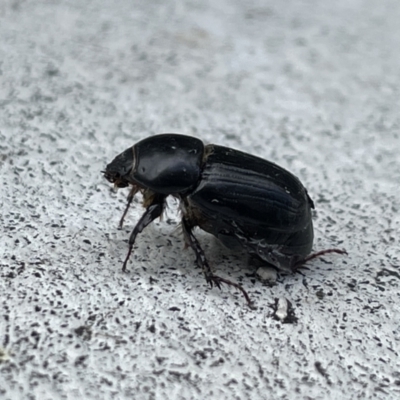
239, 198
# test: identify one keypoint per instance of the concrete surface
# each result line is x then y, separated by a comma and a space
312, 85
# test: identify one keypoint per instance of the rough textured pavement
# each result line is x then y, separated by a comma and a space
311, 85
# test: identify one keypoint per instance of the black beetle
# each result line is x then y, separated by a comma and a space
239, 198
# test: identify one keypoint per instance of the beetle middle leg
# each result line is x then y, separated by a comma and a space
153, 211
202, 262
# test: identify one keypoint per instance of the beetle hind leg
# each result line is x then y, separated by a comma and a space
202, 262
272, 255
310, 257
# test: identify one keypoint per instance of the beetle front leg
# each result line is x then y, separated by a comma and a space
202, 262
153, 211
130, 197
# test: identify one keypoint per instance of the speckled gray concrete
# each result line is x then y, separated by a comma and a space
309, 85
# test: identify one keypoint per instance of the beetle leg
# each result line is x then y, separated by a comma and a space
130, 197
299, 263
202, 262
274, 256
271, 254
152, 212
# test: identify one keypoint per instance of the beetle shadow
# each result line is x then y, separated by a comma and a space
160, 254
236, 262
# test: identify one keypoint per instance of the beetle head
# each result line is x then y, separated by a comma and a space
117, 172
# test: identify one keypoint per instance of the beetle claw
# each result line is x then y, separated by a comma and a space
217, 280
214, 281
